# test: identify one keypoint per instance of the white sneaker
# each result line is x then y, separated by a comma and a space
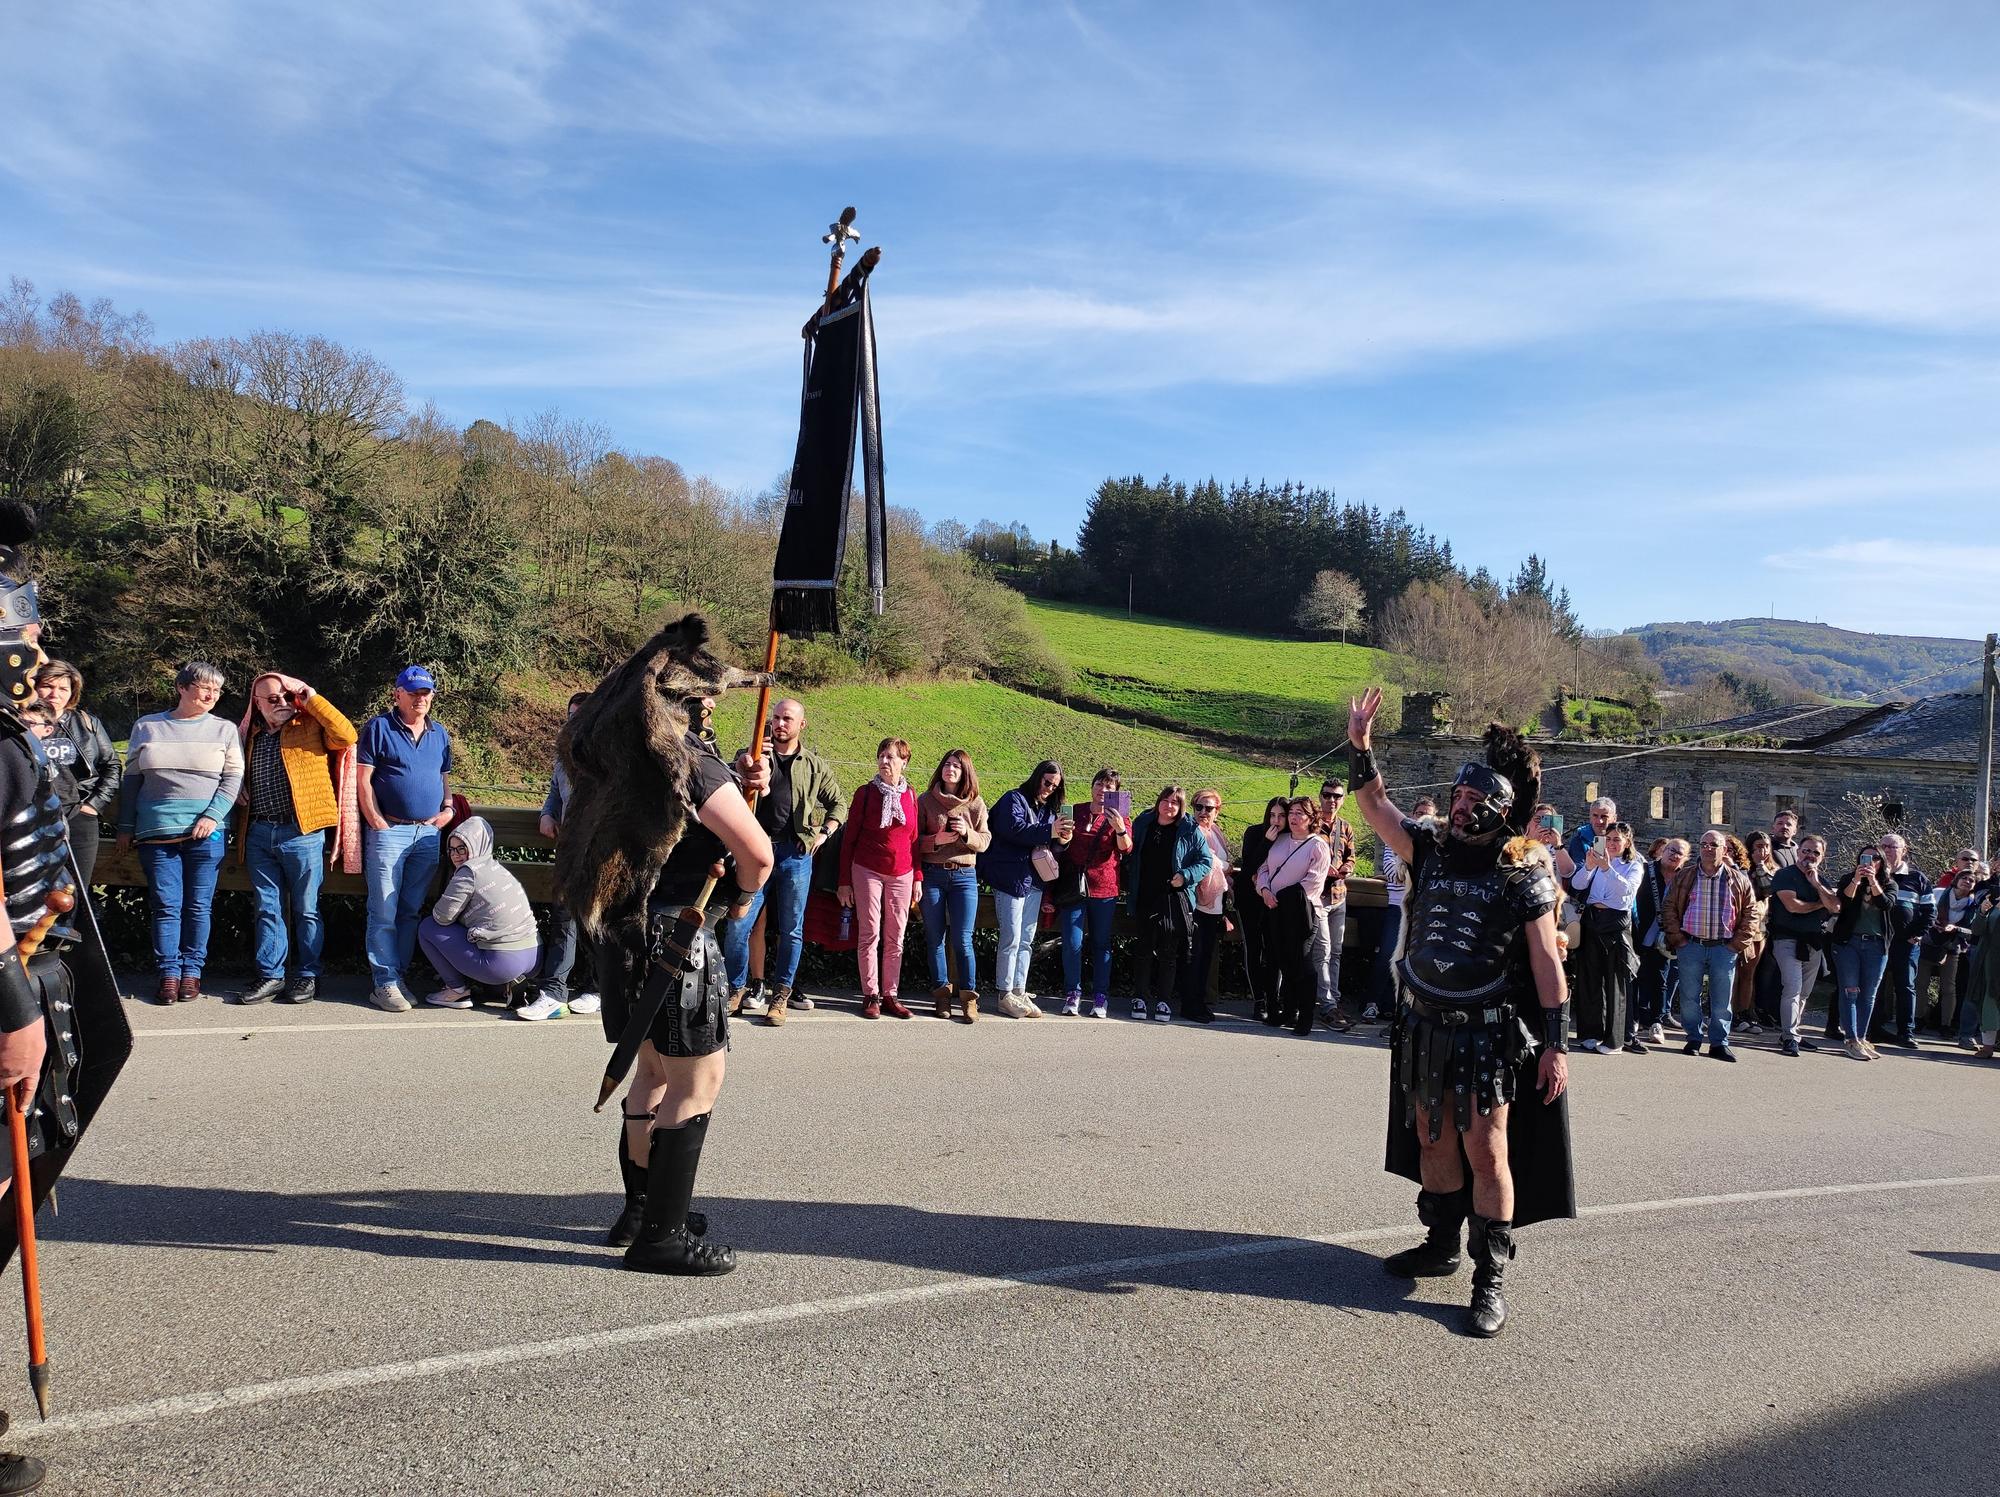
1657, 1035
799, 1000
1139, 1009
585, 1003
1072, 1006
1595, 1047
1034, 1008
544, 1006
390, 998
449, 998
1014, 1006
1163, 1012
1097, 1009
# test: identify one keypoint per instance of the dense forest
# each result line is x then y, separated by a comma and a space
274, 501
1260, 546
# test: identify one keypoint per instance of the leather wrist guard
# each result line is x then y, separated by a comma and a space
1555, 1027
1361, 767
20, 1006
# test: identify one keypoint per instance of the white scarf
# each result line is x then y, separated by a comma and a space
892, 803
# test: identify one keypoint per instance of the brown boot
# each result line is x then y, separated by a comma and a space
736, 997
774, 1015
941, 1001
968, 1005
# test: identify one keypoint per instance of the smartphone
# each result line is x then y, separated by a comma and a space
1866, 860
1550, 821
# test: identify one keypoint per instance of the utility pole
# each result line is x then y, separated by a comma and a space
1983, 791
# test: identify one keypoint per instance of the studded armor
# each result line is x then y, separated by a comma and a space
34, 862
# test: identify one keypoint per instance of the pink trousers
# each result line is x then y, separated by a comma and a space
881, 913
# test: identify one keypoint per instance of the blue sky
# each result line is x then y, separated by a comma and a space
1698, 300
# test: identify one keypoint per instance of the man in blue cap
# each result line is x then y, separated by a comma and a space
405, 761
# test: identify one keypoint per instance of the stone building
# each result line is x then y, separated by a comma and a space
1847, 771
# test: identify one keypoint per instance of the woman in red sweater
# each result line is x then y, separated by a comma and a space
878, 863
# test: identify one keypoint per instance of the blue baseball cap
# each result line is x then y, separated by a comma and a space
415, 678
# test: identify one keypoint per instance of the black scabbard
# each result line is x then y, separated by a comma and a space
671, 955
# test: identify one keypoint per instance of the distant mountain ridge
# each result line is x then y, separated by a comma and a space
1814, 658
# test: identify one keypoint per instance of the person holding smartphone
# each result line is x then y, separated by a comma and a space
1861, 936
296, 744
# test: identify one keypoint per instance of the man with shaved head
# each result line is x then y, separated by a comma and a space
799, 811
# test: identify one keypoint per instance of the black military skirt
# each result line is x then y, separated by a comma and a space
694, 1018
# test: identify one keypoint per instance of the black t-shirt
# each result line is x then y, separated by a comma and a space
1156, 869
689, 862
1782, 921
61, 750
774, 809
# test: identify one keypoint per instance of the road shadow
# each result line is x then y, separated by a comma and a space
1936, 1436
1964, 1260
567, 1230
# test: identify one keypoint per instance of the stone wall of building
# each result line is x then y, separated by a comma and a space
1680, 791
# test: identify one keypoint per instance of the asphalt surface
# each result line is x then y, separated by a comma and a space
326, 1250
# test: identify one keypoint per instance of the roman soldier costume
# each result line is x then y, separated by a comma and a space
1470, 1026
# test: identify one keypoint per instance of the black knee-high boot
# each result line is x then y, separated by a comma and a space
626, 1227
1492, 1244
667, 1242
1436, 1257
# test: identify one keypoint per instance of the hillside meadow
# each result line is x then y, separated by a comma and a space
1278, 691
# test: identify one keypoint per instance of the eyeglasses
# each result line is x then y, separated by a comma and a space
1206, 805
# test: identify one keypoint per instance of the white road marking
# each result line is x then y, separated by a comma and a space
249, 1395
582, 1024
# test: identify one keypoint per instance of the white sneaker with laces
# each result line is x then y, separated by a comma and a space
799, 1000
1657, 1035
1139, 1009
1098, 1009
1163, 1012
586, 1003
390, 998
543, 1006
1014, 1006
449, 998
1034, 1008
1072, 1006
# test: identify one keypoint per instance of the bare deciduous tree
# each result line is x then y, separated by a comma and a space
1334, 604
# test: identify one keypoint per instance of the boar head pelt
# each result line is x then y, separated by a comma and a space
628, 760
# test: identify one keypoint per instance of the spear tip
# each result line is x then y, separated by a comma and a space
38, 1378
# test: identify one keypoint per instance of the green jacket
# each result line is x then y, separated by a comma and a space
1982, 978
816, 796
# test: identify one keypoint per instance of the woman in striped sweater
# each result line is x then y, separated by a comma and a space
183, 770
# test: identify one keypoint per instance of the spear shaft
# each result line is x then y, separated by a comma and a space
31, 1274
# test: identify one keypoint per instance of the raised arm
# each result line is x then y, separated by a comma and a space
1366, 781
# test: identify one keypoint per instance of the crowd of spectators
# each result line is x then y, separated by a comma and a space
1717, 937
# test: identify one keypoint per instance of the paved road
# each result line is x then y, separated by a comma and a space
327, 1250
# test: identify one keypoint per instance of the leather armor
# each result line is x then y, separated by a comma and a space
1466, 909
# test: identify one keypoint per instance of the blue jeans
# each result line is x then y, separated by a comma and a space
558, 953
1017, 915
1968, 1007
286, 866
398, 862
1902, 973
951, 905
1858, 964
1092, 916
1718, 965
180, 892
784, 895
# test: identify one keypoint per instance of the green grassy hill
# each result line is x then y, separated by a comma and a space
1278, 691
1816, 658
1006, 733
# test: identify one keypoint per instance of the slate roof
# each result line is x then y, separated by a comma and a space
1796, 726
1943, 727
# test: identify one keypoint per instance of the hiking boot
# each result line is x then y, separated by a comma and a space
390, 998
737, 998
1436, 1257
941, 1000
300, 990
774, 1011
968, 1005
1492, 1245
264, 992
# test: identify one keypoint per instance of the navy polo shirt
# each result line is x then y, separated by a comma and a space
409, 772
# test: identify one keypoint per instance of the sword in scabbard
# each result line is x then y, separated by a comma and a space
669, 962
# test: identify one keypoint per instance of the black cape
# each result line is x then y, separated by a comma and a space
1537, 1142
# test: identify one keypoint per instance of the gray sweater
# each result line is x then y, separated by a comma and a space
484, 897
